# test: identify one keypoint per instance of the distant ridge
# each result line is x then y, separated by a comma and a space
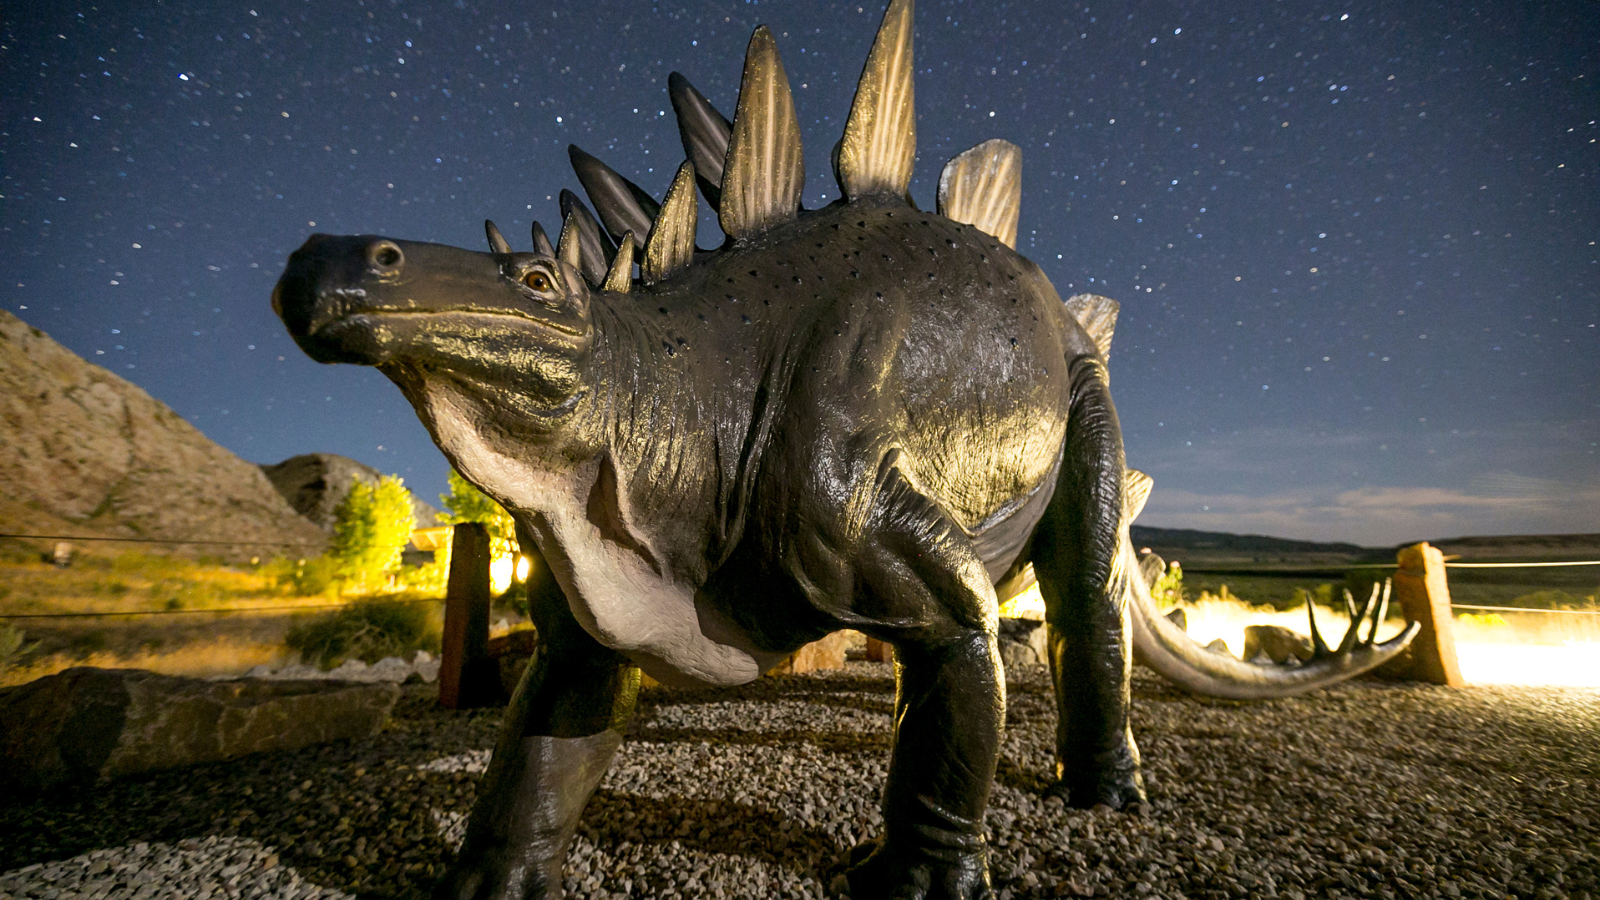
1193, 547
1171, 542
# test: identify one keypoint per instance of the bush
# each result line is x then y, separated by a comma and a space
468, 504
368, 630
12, 647
371, 527
1168, 589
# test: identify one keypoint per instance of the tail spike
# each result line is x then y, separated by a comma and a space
983, 188
595, 250
1319, 647
671, 243
541, 241
765, 169
879, 149
622, 205
620, 276
705, 133
1381, 614
497, 241
1357, 613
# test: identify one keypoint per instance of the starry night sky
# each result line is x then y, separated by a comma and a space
1354, 242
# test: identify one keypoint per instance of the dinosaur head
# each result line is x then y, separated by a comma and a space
422, 311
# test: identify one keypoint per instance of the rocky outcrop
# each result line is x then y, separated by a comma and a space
316, 483
85, 724
85, 446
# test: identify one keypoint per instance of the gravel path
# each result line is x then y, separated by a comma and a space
1366, 790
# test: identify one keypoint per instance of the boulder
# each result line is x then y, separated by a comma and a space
87, 724
1023, 642
1276, 643
827, 653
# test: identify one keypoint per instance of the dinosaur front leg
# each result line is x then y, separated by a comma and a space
1084, 585
561, 730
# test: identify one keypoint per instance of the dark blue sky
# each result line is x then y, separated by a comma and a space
1354, 242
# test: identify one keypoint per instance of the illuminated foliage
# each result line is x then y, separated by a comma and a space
371, 527
468, 504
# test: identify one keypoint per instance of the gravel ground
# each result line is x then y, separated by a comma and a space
1365, 790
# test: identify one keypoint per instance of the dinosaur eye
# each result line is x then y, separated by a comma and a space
537, 280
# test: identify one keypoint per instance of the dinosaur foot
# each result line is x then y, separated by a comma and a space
878, 871
1115, 783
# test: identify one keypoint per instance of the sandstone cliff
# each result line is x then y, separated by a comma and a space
81, 445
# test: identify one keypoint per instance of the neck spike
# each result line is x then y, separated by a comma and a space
497, 241
705, 134
622, 205
671, 244
620, 277
594, 248
541, 241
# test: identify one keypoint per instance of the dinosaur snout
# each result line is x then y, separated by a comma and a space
326, 280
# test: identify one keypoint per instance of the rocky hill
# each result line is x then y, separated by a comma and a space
316, 483
86, 450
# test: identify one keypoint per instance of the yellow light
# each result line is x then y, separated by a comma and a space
524, 566
500, 574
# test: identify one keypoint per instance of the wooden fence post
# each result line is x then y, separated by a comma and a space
878, 651
467, 675
1424, 595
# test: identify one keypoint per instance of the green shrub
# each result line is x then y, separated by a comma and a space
468, 504
371, 527
12, 645
368, 630
1168, 589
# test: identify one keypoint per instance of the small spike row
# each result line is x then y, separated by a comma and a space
1376, 603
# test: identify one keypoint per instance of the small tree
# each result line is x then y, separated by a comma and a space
468, 504
371, 527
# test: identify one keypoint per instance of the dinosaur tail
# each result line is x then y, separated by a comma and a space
1163, 646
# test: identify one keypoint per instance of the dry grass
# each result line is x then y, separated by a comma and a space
198, 660
157, 601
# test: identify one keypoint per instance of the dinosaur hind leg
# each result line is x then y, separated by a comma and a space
926, 592
1084, 585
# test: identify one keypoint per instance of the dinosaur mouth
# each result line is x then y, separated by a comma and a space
420, 314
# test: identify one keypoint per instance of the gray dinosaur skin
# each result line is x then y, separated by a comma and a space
861, 419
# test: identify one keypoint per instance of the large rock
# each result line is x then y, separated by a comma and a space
86, 724
1276, 643
85, 447
1023, 642
316, 483
826, 653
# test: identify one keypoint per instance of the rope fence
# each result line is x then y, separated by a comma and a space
134, 540
190, 612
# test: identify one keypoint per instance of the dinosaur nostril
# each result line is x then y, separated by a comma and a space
385, 255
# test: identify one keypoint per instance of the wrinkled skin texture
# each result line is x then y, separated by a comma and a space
862, 419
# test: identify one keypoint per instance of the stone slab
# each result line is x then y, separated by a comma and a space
87, 724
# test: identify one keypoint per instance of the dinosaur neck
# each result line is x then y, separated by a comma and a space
664, 425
